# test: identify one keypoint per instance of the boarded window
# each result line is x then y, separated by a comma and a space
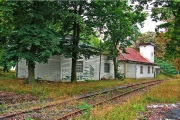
107, 67
148, 69
141, 69
79, 66
152, 69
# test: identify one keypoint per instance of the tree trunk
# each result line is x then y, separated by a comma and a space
5, 69
114, 52
31, 75
115, 67
73, 69
74, 53
76, 36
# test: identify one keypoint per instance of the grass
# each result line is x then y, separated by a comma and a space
167, 92
56, 90
7, 76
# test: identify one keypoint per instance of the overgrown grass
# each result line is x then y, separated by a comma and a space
57, 90
7, 76
167, 92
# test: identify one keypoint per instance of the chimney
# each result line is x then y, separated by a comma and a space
147, 51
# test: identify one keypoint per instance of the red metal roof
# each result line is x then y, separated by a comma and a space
132, 55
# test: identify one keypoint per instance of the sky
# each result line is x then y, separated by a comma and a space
149, 25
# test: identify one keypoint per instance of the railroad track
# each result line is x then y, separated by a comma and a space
67, 109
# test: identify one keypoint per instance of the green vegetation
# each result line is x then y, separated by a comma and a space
166, 68
11, 75
167, 92
65, 28
56, 90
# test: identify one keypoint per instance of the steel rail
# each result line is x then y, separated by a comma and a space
78, 111
78, 98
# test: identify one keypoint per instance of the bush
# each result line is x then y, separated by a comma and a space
120, 76
166, 68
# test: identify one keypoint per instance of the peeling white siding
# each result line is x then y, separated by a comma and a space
59, 68
132, 70
145, 72
49, 71
22, 69
90, 68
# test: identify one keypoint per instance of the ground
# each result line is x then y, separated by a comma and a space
160, 112
11, 97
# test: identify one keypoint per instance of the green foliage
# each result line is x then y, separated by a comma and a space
85, 108
138, 107
166, 68
147, 37
154, 99
4, 61
94, 41
171, 13
121, 24
25, 26
120, 76
33, 43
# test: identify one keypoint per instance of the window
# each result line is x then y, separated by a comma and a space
141, 69
79, 66
107, 67
152, 69
148, 69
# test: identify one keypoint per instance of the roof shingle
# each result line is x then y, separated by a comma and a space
132, 55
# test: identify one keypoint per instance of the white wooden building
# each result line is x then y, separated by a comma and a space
58, 68
137, 65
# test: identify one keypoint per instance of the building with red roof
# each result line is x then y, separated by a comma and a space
58, 68
137, 65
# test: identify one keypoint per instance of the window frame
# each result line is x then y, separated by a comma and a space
149, 69
79, 66
106, 67
141, 69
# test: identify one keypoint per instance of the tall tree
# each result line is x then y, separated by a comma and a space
77, 26
30, 37
170, 12
120, 26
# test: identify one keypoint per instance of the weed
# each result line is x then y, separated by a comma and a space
138, 107
166, 92
154, 99
29, 119
85, 108
2, 109
90, 90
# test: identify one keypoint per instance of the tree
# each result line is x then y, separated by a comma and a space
30, 37
78, 24
94, 41
170, 11
119, 20
147, 37
166, 68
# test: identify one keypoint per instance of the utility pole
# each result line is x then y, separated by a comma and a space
100, 55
